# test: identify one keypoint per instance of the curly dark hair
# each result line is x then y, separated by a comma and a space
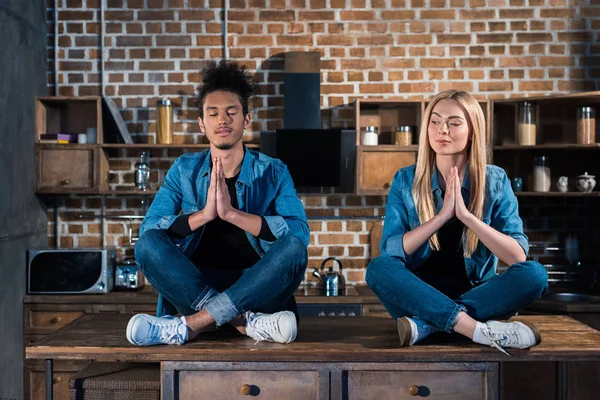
228, 76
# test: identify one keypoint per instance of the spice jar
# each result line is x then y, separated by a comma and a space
526, 134
541, 174
586, 125
164, 122
369, 136
403, 135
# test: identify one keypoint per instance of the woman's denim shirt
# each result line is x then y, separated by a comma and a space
264, 188
500, 210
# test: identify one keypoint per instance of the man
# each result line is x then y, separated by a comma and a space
237, 252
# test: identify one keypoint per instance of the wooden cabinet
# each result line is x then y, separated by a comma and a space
376, 166
336, 381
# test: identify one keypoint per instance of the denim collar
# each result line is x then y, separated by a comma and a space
245, 172
466, 183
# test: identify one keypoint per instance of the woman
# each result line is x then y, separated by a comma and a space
441, 241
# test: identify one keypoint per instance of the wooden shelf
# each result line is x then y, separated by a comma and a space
134, 192
388, 147
558, 146
68, 146
166, 146
557, 194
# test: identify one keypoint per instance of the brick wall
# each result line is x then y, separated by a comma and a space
380, 48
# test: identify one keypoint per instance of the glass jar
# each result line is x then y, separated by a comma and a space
164, 122
526, 132
586, 125
541, 174
403, 135
369, 136
142, 172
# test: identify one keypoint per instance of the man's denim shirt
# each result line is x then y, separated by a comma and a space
264, 188
500, 210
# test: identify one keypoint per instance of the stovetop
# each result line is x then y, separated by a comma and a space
311, 290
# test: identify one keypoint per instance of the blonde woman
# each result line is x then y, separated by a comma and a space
449, 218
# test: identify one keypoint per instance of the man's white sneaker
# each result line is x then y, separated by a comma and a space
518, 335
147, 330
280, 327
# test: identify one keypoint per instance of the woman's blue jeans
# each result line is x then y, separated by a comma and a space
268, 286
405, 294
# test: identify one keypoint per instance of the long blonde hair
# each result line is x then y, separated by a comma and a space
477, 156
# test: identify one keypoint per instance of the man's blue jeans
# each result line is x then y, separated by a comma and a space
405, 294
268, 286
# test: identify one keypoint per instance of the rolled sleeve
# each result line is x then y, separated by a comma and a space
167, 203
505, 215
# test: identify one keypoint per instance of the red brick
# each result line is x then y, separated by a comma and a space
477, 14
156, 65
376, 88
497, 50
205, 40
561, 13
357, 15
176, 90
75, 15
437, 63
278, 16
75, 66
118, 16
336, 238
569, 86
414, 39
575, 37
523, 13
255, 41
497, 26
557, 61
494, 38
516, 74
493, 86
156, 15
132, 41
375, 40
295, 40
424, 87
534, 37
477, 62
453, 39
478, 27
531, 86
398, 63
357, 64
517, 62
173, 41
398, 15
477, 74
438, 14
316, 16
327, 89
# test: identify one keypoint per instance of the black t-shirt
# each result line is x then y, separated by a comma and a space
223, 245
445, 269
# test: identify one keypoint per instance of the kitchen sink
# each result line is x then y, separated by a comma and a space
571, 297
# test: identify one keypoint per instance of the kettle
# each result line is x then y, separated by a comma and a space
332, 283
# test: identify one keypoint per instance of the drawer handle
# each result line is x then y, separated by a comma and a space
387, 185
65, 182
55, 320
56, 379
413, 390
245, 389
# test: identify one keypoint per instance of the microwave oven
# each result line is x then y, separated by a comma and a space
70, 271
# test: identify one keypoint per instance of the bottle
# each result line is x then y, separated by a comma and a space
164, 122
586, 125
369, 136
541, 175
403, 136
142, 172
526, 135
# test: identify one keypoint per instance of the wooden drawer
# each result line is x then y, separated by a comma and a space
47, 321
267, 385
448, 385
375, 310
376, 168
76, 168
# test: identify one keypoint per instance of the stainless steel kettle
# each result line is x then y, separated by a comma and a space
331, 283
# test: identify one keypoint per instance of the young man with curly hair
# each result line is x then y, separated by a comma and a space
225, 240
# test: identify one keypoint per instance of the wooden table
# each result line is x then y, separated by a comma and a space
334, 354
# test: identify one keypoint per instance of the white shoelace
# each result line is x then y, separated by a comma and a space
507, 337
168, 332
261, 325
